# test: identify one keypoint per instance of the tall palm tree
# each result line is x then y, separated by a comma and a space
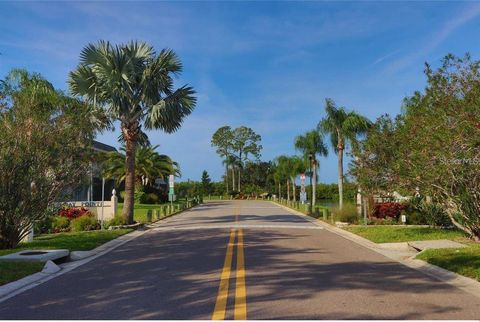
297, 166
311, 145
134, 85
343, 128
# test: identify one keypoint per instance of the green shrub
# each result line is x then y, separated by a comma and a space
414, 217
348, 213
84, 223
429, 213
149, 198
60, 224
116, 221
44, 225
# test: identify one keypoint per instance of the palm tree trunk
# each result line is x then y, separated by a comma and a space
233, 178
340, 178
226, 177
288, 189
128, 206
239, 178
294, 190
279, 190
314, 184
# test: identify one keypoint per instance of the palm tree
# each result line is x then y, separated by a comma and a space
134, 85
343, 128
149, 165
311, 144
297, 166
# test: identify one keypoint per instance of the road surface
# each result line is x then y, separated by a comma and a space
241, 260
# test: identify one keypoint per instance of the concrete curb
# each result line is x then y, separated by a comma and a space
466, 284
80, 258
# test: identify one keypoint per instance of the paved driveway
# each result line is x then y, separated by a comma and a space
241, 259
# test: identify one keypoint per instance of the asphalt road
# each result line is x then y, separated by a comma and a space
241, 259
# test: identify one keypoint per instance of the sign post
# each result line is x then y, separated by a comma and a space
171, 191
303, 193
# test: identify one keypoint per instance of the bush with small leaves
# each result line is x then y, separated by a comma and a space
84, 223
60, 224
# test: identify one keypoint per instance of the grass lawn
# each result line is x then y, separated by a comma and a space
464, 261
140, 210
394, 234
12, 271
85, 240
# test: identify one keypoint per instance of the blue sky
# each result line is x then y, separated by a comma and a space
266, 65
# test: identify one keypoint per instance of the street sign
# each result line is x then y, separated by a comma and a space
303, 196
303, 193
171, 181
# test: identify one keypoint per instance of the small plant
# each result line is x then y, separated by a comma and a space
348, 214
150, 198
84, 223
388, 209
60, 224
116, 221
72, 213
44, 225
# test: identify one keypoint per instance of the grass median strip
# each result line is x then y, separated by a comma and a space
464, 261
395, 234
85, 240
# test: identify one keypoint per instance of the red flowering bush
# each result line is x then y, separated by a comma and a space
72, 213
388, 209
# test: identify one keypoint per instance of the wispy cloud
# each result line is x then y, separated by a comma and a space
385, 57
468, 14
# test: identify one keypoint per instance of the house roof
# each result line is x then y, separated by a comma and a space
99, 146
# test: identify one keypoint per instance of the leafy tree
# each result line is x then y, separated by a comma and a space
311, 144
283, 172
134, 85
206, 183
433, 145
258, 174
343, 128
222, 139
46, 146
245, 142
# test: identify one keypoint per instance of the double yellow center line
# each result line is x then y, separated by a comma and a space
240, 309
